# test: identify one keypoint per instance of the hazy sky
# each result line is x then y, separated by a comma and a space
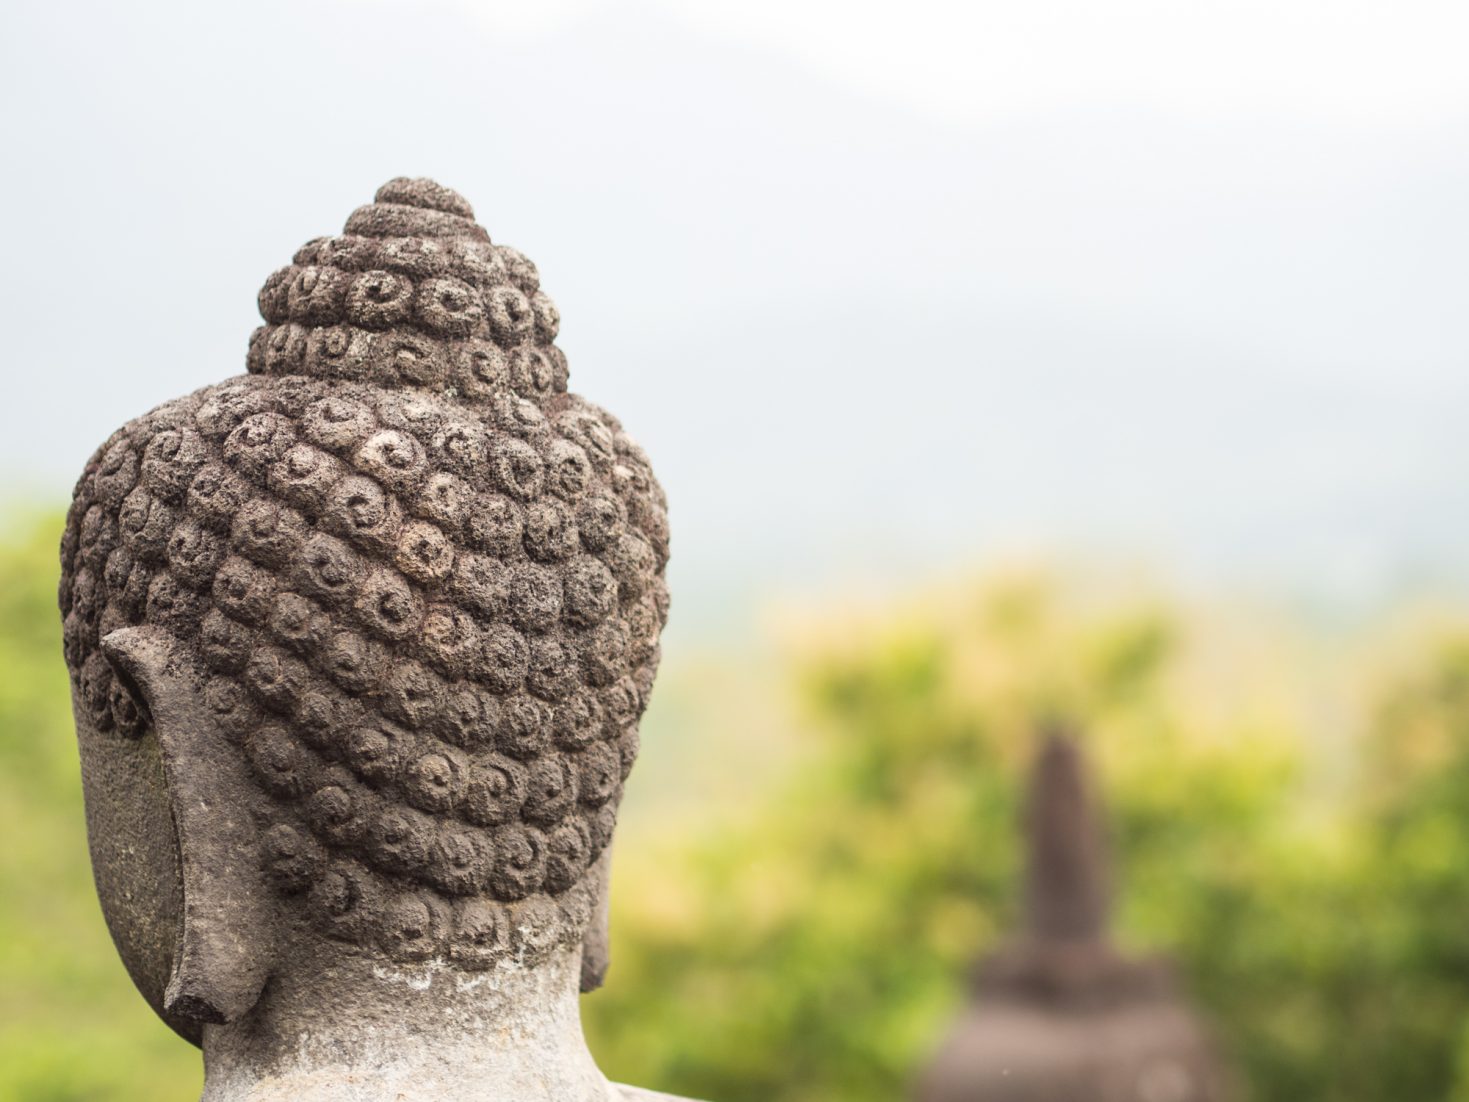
974, 62
881, 287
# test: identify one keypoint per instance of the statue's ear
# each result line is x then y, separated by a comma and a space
596, 948
223, 959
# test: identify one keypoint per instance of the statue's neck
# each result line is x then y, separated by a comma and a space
355, 1030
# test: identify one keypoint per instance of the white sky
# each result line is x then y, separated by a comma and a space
1382, 62
883, 288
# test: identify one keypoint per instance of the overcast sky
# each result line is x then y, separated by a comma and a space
883, 288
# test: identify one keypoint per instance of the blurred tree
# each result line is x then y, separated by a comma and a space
814, 950
70, 1027
814, 954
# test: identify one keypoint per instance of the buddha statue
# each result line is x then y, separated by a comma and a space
1059, 1014
359, 642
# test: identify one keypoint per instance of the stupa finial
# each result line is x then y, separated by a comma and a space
1067, 889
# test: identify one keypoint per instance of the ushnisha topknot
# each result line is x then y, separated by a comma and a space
423, 193
421, 582
413, 293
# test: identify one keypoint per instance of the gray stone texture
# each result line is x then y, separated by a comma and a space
359, 642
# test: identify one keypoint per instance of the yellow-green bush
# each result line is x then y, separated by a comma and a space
1291, 821
70, 1021
1310, 874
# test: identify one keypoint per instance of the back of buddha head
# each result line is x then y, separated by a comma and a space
417, 588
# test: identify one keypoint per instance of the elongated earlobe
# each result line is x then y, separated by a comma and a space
596, 947
222, 960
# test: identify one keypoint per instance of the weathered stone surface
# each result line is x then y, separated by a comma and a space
1059, 1015
359, 644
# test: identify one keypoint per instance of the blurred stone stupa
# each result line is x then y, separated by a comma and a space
1059, 1015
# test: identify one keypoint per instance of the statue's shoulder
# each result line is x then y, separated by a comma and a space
637, 1094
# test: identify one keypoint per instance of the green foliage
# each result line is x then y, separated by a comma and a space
818, 952
71, 1025
1311, 884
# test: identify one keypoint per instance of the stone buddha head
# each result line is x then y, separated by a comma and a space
359, 642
